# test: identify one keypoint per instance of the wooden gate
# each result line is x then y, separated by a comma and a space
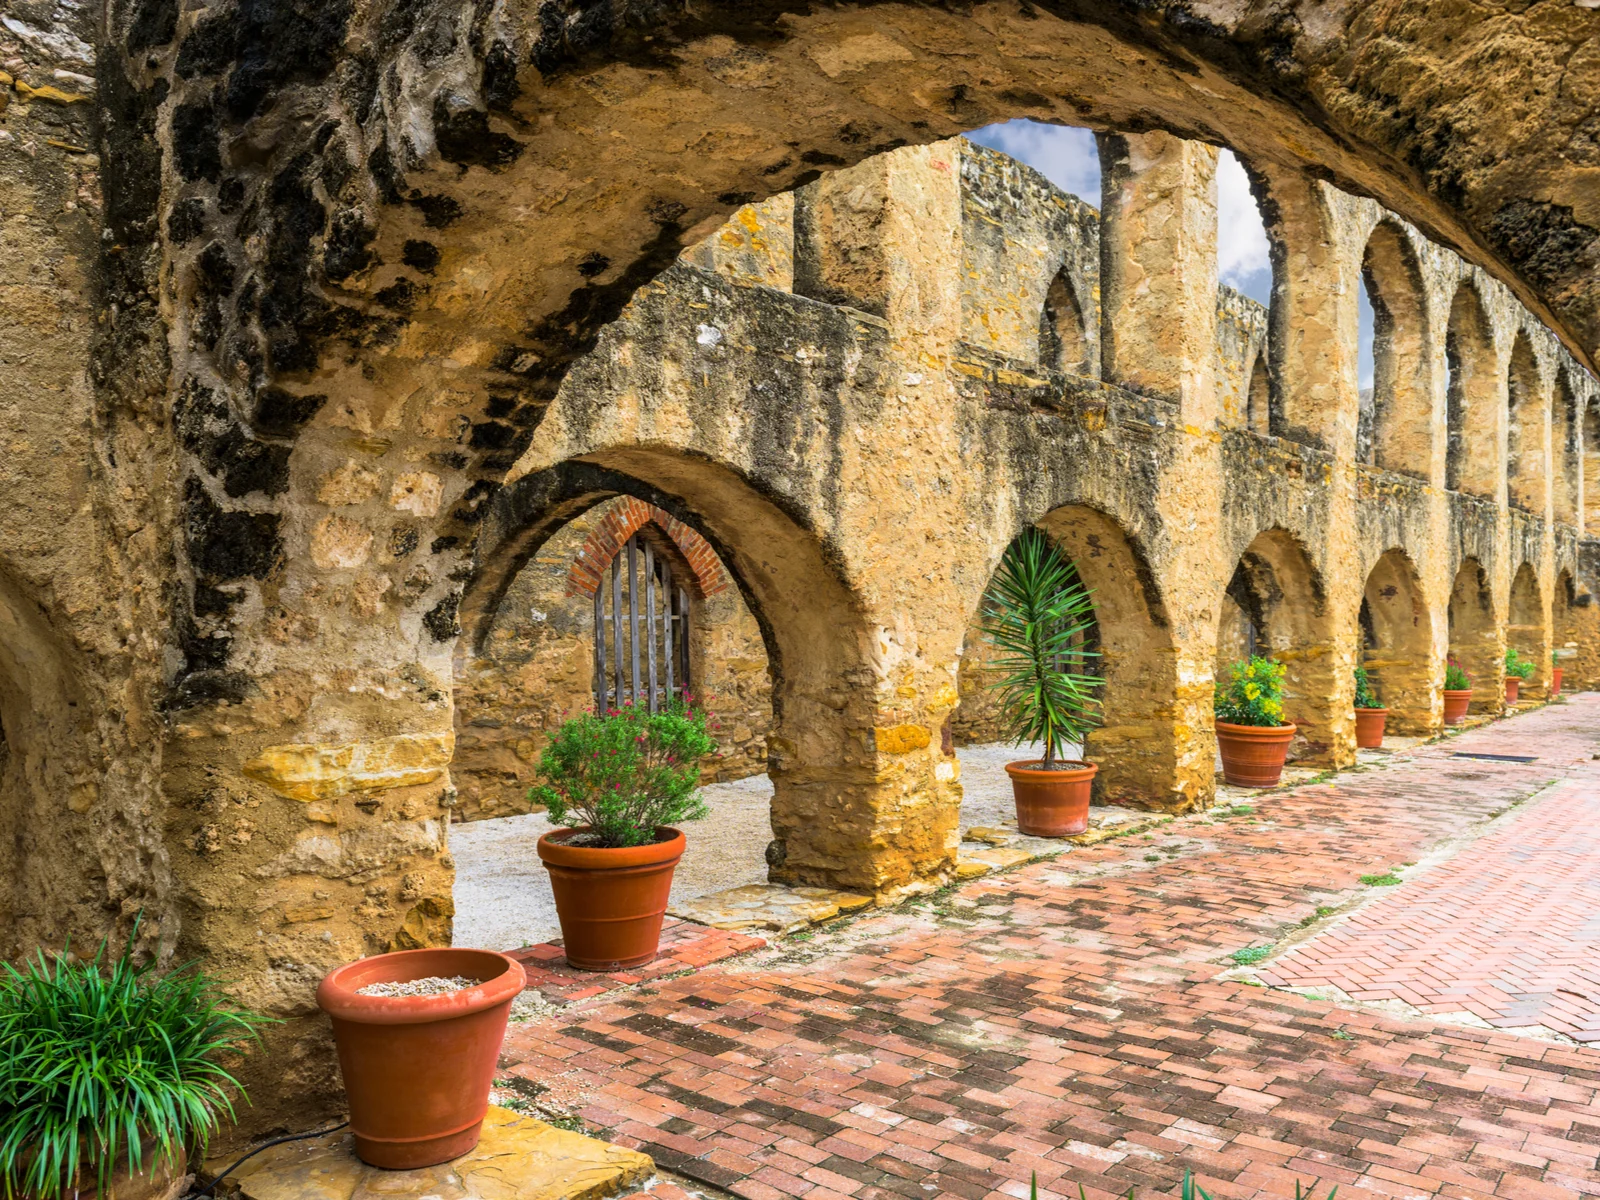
641, 631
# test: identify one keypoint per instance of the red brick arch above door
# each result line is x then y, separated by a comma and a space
620, 524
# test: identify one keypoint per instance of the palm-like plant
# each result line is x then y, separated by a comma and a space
1038, 615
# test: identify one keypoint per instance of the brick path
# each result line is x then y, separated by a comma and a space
1068, 1019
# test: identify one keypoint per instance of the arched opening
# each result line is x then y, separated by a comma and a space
1133, 637
1472, 397
1590, 450
1475, 636
1566, 441
1275, 605
1566, 632
1258, 399
1525, 632
1246, 266
1526, 474
1397, 644
1063, 344
1394, 370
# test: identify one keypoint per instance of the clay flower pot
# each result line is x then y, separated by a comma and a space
1555, 682
610, 901
1512, 685
1369, 727
417, 1069
1456, 703
1052, 803
1252, 755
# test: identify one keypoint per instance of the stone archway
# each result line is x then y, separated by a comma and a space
1275, 605
1475, 636
1472, 398
1527, 467
1402, 400
1526, 631
1398, 644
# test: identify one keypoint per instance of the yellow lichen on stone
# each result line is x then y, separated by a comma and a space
318, 772
53, 94
901, 739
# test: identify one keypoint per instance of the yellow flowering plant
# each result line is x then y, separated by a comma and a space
1253, 695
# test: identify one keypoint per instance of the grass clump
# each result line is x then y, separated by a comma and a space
1312, 918
1250, 955
1386, 879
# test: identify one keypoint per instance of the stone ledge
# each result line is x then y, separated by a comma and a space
769, 906
519, 1158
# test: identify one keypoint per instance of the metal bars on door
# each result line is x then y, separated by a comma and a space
641, 631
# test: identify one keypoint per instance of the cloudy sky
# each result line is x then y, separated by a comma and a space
1066, 156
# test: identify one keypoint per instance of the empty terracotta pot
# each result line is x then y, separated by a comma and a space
1052, 803
1369, 727
1555, 682
1456, 703
417, 1069
1252, 755
610, 902
1513, 685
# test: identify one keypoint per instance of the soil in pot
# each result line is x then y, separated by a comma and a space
418, 1061
610, 901
1456, 703
1513, 686
1252, 755
1369, 727
1053, 803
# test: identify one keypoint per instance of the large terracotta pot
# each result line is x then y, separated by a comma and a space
1555, 682
1052, 803
417, 1069
610, 902
1512, 686
1252, 755
1456, 703
1369, 727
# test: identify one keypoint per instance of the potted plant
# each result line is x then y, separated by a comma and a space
1370, 713
1037, 614
419, 1033
1555, 676
1517, 670
1252, 735
619, 781
1457, 693
111, 1077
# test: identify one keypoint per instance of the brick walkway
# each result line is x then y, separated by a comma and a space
1068, 1019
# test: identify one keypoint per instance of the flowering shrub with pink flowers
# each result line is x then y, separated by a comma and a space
625, 771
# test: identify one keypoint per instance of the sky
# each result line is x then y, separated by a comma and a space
1066, 156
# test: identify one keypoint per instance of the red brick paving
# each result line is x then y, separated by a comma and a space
1067, 1019
685, 946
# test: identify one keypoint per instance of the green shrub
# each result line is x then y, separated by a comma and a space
625, 771
1038, 614
106, 1068
1456, 678
1518, 667
1365, 696
1254, 695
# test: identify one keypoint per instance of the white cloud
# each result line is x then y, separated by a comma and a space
1243, 261
1063, 154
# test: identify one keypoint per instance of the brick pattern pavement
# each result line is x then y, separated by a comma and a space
685, 946
1068, 1019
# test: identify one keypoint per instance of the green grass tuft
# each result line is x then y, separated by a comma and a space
1250, 955
1387, 879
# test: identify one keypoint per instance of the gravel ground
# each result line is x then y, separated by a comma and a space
431, 985
502, 893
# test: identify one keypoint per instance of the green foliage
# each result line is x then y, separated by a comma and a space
1365, 696
109, 1067
1193, 1191
1312, 918
1254, 696
1386, 879
1456, 678
1518, 667
1038, 614
625, 771
1250, 955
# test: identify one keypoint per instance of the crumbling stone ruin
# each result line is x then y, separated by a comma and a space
330, 326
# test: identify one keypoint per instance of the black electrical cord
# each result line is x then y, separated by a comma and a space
293, 1137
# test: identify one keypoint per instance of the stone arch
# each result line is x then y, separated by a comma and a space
1526, 628
1590, 445
1476, 640
1258, 397
1402, 401
1567, 444
1063, 335
1398, 644
702, 567
1526, 473
1276, 605
1472, 398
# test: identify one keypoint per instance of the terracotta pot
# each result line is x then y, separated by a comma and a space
1252, 755
1369, 727
1555, 682
610, 902
1052, 803
1512, 684
1456, 703
417, 1069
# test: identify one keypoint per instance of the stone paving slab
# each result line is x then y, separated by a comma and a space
770, 907
1075, 1018
519, 1158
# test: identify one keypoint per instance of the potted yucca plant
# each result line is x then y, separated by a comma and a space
1457, 692
112, 1075
1370, 713
1517, 670
1252, 735
1038, 615
618, 781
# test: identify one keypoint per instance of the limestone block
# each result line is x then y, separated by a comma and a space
340, 542
417, 493
769, 906
519, 1157
309, 772
973, 863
